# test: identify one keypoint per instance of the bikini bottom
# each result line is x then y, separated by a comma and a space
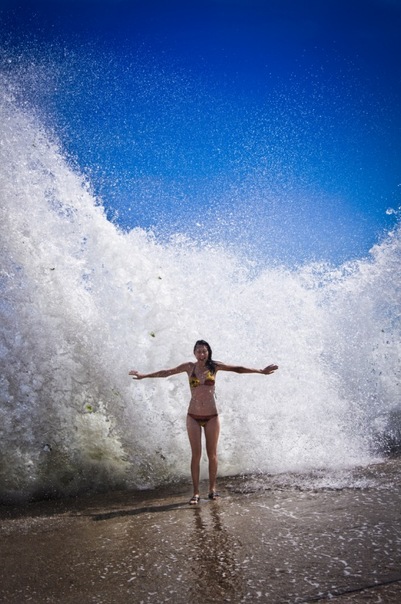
202, 419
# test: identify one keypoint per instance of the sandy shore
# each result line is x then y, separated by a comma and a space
253, 545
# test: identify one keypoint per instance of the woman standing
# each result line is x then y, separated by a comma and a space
202, 410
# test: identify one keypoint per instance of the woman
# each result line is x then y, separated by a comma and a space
202, 411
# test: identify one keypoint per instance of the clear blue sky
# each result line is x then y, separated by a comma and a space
271, 125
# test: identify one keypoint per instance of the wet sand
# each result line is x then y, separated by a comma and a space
256, 544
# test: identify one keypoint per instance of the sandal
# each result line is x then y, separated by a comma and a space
213, 495
194, 500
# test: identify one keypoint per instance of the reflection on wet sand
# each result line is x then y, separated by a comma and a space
215, 572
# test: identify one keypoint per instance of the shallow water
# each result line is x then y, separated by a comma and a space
259, 542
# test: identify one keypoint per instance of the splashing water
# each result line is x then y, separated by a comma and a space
82, 303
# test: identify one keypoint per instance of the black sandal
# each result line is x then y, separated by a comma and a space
194, 500
213, 495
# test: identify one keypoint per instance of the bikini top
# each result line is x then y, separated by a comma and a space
209, 380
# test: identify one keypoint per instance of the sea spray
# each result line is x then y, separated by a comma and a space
82, 303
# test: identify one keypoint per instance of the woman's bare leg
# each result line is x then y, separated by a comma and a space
212, 431
195, 440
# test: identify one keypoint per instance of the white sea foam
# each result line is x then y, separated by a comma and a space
83, 303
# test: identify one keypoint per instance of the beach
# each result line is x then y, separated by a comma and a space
257, 543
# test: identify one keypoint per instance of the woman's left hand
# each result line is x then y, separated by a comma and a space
269, 369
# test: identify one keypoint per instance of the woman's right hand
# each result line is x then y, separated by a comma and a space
135, 374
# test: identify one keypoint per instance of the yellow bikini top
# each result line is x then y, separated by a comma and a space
209, 380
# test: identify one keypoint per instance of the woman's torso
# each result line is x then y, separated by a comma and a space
202, 385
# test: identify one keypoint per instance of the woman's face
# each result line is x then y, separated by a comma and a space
201, 353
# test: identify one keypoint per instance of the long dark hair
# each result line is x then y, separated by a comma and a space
210, 364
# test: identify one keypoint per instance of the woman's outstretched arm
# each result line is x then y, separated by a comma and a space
240, 369
163, 373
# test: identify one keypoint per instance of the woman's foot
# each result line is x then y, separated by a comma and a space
194, 500
213, 495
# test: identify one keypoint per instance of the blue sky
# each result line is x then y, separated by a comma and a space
274, 127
